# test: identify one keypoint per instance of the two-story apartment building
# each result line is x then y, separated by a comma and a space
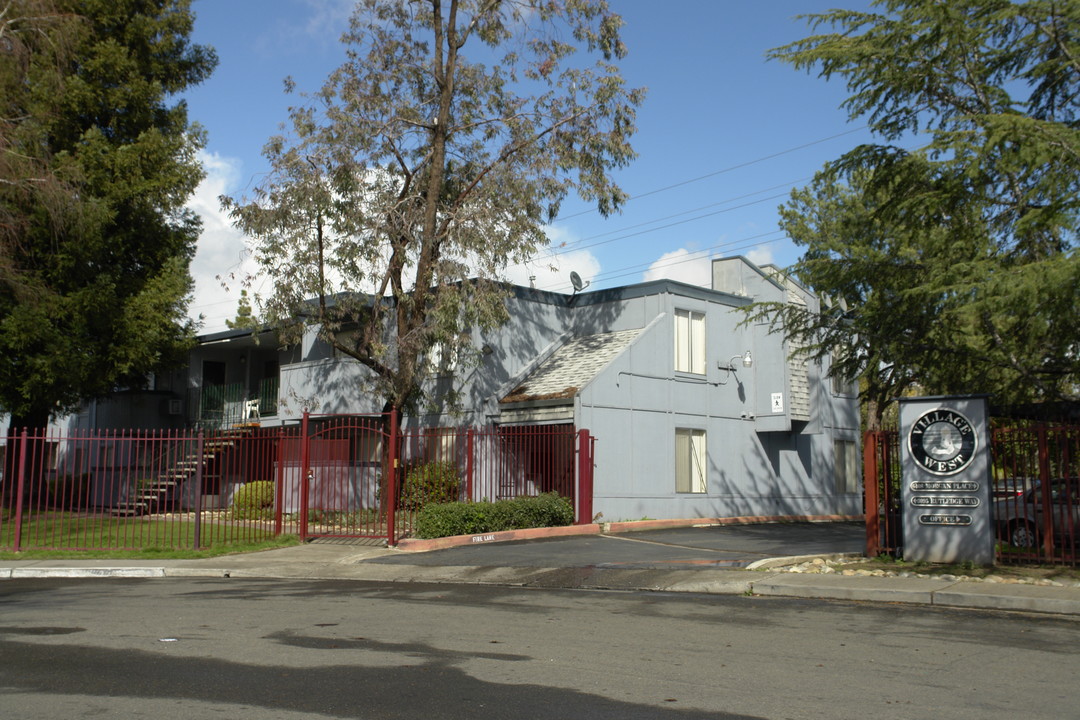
695, 413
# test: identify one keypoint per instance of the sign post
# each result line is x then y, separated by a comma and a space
945, 474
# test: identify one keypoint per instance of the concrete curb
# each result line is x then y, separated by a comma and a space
910, 590
417, 545
769, 563
913, 591
85, 572
1022, 598
639, 525
328, 561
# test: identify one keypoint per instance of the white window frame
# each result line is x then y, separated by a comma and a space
442, 359
691, 461
840, 386
690, 342
846, 469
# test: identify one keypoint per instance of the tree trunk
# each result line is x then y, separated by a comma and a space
874, 411
35, 423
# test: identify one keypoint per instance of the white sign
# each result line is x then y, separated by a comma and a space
778, 402
944, 501
944, 519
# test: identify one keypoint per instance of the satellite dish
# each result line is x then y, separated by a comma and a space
575, 280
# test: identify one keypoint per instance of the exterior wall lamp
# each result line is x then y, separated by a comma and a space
747, 362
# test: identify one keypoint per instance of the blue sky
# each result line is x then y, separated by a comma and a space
722, 137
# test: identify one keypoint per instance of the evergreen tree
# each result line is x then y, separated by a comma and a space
954, 264
96, 164
245, 317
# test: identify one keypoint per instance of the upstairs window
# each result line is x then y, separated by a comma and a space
442, 359
690, 342
840, 385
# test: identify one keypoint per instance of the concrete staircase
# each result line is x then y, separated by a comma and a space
165, 493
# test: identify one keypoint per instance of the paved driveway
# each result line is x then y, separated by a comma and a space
730, 546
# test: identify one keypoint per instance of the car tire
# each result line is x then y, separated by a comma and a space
1022, 535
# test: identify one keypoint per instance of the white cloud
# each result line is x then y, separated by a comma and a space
328, 18
693, 268
222, 259
550, 269
762, 256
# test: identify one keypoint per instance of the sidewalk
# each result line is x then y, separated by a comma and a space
326, 561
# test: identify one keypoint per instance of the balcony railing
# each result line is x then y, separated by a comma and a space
222, 406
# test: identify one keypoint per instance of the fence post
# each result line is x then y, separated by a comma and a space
470, 463
586, 445
279, 489
200, 449
20, 483
1047, 501
305, 468
391, 481
871, 494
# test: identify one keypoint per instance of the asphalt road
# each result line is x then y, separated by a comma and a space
240, 649
731, 546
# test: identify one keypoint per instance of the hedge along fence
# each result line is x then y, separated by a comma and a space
471, 518
434, 482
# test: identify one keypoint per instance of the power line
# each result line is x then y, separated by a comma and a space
721, 172
568, 249
574, 245
740, 244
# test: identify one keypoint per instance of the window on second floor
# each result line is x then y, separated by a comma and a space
840, 385
442, 359
690, 342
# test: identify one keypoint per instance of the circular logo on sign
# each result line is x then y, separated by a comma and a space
942, 442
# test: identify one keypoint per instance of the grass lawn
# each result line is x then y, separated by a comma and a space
82, 535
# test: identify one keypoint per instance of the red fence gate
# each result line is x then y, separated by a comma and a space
1035, 493
329, 475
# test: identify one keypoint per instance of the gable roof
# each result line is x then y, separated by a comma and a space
571, 367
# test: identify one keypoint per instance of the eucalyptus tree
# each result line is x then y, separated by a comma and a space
431, 159
947, 251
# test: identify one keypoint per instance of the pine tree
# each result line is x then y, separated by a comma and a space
96, 164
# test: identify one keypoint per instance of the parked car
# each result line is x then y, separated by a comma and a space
1021, 518
1012, 486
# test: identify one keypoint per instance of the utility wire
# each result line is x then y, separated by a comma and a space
732, 168
574, 245
561, 251
739, 244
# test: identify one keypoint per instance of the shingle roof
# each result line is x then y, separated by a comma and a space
572, 367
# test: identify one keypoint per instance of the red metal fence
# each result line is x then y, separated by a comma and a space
341, 476
1036, 493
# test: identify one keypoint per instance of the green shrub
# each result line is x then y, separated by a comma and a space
472, 518
436, 482
253, 500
